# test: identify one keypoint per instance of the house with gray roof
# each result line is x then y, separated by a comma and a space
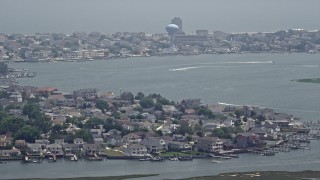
155, 145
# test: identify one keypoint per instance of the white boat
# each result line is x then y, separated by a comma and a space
215, 161
173, 159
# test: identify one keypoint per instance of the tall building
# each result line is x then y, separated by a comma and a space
177, 21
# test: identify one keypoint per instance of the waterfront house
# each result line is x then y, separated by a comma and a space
155, 145
114, 140
42, 142
34, 149
11, 152
132, 138
20, 144
5, 140
55, 149
209, 144
179, 146
91, 149
71, 148
248, 139
136, 150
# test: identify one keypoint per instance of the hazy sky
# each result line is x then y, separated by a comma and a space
67, 16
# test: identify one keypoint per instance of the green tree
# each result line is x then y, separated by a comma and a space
30, 108
184, 128
11, 124
27, 133
245, 119
139, 96
3, 68
85, 135
238, 113
102, 105
158, 107
159, 133
146, 103
93, 123
4, 94
127, 96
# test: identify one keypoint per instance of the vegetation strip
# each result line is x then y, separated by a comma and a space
101, 178
264, 175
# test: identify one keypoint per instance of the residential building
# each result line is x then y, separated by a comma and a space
136, 150
209, 144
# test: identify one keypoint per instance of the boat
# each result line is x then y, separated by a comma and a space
156, 159
214, 161
173, 159
185, 158
144, 159
36, 161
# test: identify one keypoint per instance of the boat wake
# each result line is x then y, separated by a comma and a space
186, 68
248, 62
216, 64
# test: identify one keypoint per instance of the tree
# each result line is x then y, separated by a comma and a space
85, 135
245, 119
4, 94
93, 123
146, 103
184, 128
158, 107
11, 124
57, 128
27, 133
205, 112
163, 101
139, 96
3, 68
200, 134
30, 108
218, 132
102, 105
159, 133
238, 113
127, 96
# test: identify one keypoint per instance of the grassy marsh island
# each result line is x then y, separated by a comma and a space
264, 175
309, 80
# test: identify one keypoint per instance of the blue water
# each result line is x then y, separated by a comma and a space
249, 79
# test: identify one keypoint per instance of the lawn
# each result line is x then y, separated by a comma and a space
182, 153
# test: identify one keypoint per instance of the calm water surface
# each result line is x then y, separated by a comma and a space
251, 79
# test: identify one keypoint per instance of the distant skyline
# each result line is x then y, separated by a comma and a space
151, 16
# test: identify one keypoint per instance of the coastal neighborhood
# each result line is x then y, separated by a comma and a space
81, 46
41, 123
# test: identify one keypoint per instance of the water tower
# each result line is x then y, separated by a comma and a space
172, 29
